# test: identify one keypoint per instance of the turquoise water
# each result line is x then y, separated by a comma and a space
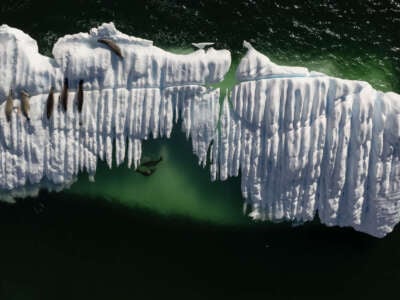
176, 234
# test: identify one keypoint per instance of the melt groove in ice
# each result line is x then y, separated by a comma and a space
302, 142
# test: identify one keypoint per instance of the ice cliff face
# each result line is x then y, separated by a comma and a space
302, 142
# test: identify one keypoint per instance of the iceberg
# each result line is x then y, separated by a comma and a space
303, 143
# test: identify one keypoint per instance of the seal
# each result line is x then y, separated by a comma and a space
64, 95
145, 172
9, 106
25, 104
112, 45
80, 95
152, 163
50, 103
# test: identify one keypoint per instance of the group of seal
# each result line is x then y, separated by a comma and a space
25, 107
63, 99
146, 168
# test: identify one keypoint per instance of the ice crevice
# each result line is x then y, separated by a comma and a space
302, 142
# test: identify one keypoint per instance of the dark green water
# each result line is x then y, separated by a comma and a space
176, 234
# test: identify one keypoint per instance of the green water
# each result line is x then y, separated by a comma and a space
178, 187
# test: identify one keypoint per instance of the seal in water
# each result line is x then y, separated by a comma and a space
64, 95
152, 163
111, 44
25, 104
50, 103
146, 172
80, 96
9, 106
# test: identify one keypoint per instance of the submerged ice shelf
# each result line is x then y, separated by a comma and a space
302, 142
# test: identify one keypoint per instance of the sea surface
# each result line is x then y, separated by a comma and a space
175, 234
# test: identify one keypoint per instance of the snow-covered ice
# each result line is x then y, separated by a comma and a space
302, 142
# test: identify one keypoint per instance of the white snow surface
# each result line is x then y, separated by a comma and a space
302, 142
